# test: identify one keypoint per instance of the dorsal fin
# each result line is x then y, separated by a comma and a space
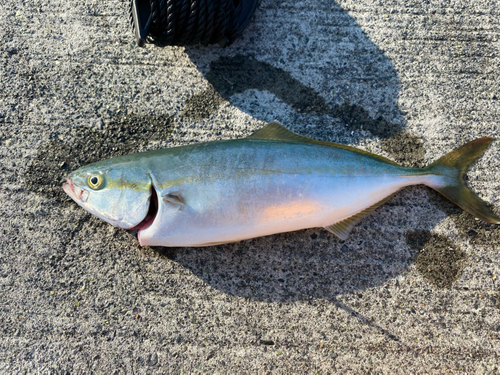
274, 131
342, 228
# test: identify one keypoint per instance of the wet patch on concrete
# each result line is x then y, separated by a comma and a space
438, 260
417, 240
203, 104
124, 136
233, 75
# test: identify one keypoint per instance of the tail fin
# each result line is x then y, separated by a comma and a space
453, 167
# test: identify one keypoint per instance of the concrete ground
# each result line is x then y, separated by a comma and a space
415, 289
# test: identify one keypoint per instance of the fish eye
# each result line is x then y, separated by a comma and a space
95, 181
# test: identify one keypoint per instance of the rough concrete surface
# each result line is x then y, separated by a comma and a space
415, 289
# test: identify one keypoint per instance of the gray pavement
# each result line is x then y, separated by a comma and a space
415, 289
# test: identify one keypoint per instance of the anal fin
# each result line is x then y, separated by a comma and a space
342, 228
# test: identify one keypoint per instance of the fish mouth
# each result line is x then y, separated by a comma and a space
79, 195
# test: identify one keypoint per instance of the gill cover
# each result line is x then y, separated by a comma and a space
117, 195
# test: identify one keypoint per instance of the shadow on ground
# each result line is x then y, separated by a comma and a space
234, 75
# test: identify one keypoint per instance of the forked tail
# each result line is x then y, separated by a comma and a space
453, 167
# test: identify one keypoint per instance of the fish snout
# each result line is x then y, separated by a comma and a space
75, 192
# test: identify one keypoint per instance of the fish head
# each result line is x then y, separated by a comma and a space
118, 196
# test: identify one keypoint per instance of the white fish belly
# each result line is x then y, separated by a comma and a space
261, 205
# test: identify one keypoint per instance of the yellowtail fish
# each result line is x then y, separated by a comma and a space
273, 181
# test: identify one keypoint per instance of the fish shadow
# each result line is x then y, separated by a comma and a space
296, 266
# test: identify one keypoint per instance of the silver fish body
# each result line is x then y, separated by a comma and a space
249, 188
227, 191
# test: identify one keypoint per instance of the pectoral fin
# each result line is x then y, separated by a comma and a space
174, 199
342, 228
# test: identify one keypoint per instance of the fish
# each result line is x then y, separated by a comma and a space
270, 182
